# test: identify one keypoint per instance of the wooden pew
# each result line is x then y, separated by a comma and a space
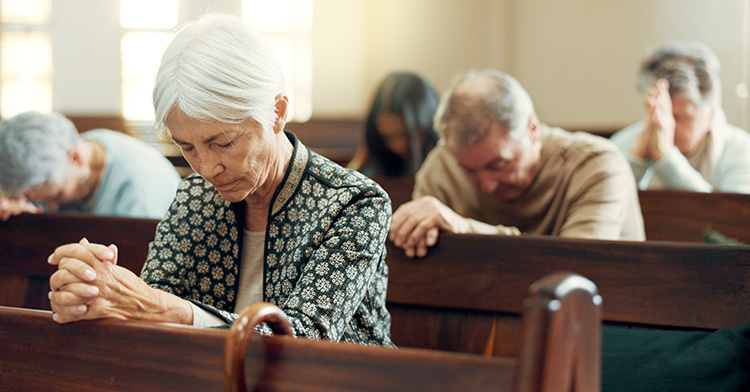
103, 355
398, 188
27, 240
682, 216
464, 295
107, 355
667, 215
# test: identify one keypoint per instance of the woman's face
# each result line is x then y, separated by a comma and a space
237, 159
692, 123
393, 131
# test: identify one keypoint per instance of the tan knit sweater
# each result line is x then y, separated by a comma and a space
584, 189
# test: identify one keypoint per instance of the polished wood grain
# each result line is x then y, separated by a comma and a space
561, 353
682, 216
240, 333
27, 240
465, 295
106, 355
561, 348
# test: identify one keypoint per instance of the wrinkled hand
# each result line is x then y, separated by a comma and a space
90, 285
12, 206
657, 136
73, 285
416, 225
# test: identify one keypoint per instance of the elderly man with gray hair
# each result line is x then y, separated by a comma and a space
44, 159
499, 170
684, 141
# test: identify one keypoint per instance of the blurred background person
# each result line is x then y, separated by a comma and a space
684, 141
43, 159
399, 129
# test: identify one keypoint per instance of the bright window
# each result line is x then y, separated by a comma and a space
148, 28
25, 57
287, 24
25, 11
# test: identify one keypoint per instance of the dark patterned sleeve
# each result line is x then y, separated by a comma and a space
194, 250
344, 275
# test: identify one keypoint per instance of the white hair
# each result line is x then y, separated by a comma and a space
466, 115
217, 68
33, 149
691, 69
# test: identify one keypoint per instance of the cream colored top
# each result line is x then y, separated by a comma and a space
584, 189
251, 280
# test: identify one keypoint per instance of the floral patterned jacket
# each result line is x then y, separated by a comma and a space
324, 250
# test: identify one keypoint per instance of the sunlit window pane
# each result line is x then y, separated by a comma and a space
284, 49
25, 11
270, 16
25, 72
288, 26
148, 14
141, 55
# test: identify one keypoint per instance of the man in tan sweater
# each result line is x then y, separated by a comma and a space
498, 170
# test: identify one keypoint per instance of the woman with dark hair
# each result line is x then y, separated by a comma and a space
399, 131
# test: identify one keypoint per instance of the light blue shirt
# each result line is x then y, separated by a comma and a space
720, 164
138, 181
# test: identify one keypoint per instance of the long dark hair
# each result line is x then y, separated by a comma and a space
416, 101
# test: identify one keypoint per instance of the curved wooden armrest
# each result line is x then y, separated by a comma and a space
562, 337
242, 329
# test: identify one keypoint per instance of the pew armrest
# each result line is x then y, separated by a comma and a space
242, 329
561, 336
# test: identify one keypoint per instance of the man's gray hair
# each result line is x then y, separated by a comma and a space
691, 69
33, 149
465, 115
217, 68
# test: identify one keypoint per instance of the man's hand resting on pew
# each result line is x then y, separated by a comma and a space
416, 224
89, 284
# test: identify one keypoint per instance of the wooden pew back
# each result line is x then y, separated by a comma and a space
682, 216
27, 240
109, 355
106, 355
561, 352
464, 296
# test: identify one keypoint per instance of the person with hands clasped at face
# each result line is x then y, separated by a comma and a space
498, 170
684, 141
657, 138
262, 219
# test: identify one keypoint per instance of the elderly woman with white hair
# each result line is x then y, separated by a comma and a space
264, 219
684, 141
102, 172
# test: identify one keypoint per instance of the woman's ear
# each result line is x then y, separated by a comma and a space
534, 127
282, 105
74, 157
